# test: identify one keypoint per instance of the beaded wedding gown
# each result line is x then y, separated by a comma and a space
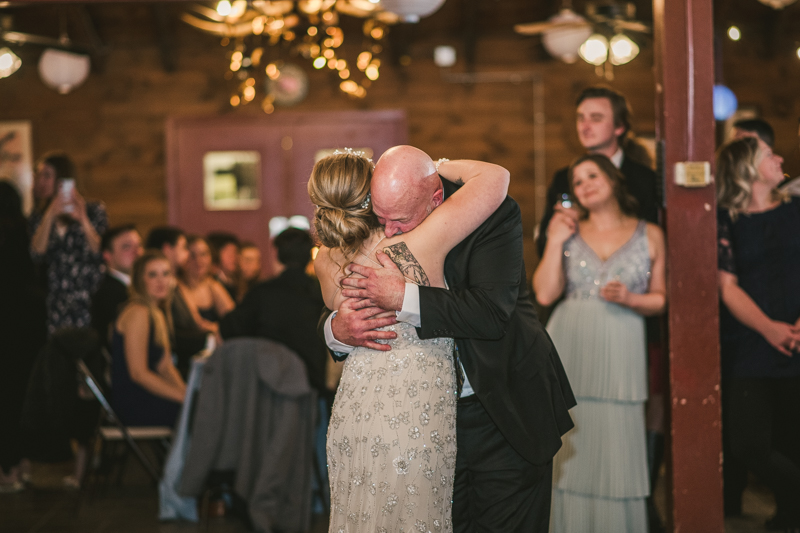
392, 440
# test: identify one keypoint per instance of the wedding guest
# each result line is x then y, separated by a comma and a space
225, 261
147, 389
205, 296
22, 333
759, 250
121, 246
249, 266
66, 241
611, 264
189, 338
286, 308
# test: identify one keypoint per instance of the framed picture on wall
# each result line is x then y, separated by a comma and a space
16, 159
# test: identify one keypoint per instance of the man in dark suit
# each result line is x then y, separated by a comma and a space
286, 308
120, 246
514, 403
603, 122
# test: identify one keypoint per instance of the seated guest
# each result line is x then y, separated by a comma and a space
754, 127
189, 338
249, 267
146, 388
206, 297
225, 261
120, 246
286, 309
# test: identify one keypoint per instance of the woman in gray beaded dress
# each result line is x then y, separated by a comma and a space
391, 445
609, 266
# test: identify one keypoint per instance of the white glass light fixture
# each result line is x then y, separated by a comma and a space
622, 49
594, 50
734, 34
9, 62
63, 71
411, 10
563, 42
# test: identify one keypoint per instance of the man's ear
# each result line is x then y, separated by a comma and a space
107, 256
438, 197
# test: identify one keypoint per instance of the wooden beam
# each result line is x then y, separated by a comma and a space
165, 34
684, 69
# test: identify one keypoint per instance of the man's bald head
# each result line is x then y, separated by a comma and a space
405, 188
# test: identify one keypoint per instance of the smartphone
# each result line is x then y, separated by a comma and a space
67, 186
566, 202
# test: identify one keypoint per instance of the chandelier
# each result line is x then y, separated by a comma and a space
259, 33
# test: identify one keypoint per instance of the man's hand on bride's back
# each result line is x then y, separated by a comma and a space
355, 324
381, 287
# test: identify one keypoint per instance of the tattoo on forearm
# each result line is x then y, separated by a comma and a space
407, 263
459, 181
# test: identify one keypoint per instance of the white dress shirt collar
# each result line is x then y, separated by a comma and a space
123, 277
617, 158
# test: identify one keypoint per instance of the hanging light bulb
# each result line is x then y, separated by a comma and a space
622, 49
224, 8
594, 50
9, 62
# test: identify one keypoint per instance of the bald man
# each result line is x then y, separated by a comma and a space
514, 403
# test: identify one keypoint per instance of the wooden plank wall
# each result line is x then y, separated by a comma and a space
113, 125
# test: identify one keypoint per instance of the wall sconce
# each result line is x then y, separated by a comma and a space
9, 62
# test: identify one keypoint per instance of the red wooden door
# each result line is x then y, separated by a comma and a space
285, 146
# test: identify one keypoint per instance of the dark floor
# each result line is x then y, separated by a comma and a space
133, 508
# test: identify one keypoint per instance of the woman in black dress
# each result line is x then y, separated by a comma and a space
759, 279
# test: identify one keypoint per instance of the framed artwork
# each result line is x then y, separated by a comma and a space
232, 180
16, 159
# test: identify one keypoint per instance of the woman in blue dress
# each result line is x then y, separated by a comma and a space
609, 266
147, 389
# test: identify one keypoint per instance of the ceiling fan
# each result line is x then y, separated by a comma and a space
19, 38
603, 15
597, 38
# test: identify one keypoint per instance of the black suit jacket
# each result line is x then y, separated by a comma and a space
107, 302
284, 309
640, 180
508, 357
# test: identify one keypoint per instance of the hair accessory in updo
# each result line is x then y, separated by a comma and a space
357, 153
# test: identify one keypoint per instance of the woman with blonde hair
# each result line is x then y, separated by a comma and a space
147, 389
391, 441
758, 254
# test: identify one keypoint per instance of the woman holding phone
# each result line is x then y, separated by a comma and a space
609, 266
66, 242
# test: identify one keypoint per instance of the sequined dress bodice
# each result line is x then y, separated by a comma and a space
586, 273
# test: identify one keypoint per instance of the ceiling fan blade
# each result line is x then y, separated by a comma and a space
218, 28
534, 28
16, 37
632, 25
27, 38
207, 12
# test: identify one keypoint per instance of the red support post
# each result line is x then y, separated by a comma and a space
683, 37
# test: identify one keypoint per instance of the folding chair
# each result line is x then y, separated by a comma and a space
117, 431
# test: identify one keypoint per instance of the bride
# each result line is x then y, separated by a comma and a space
392, 443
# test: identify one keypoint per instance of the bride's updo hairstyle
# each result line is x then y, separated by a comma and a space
339, 187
